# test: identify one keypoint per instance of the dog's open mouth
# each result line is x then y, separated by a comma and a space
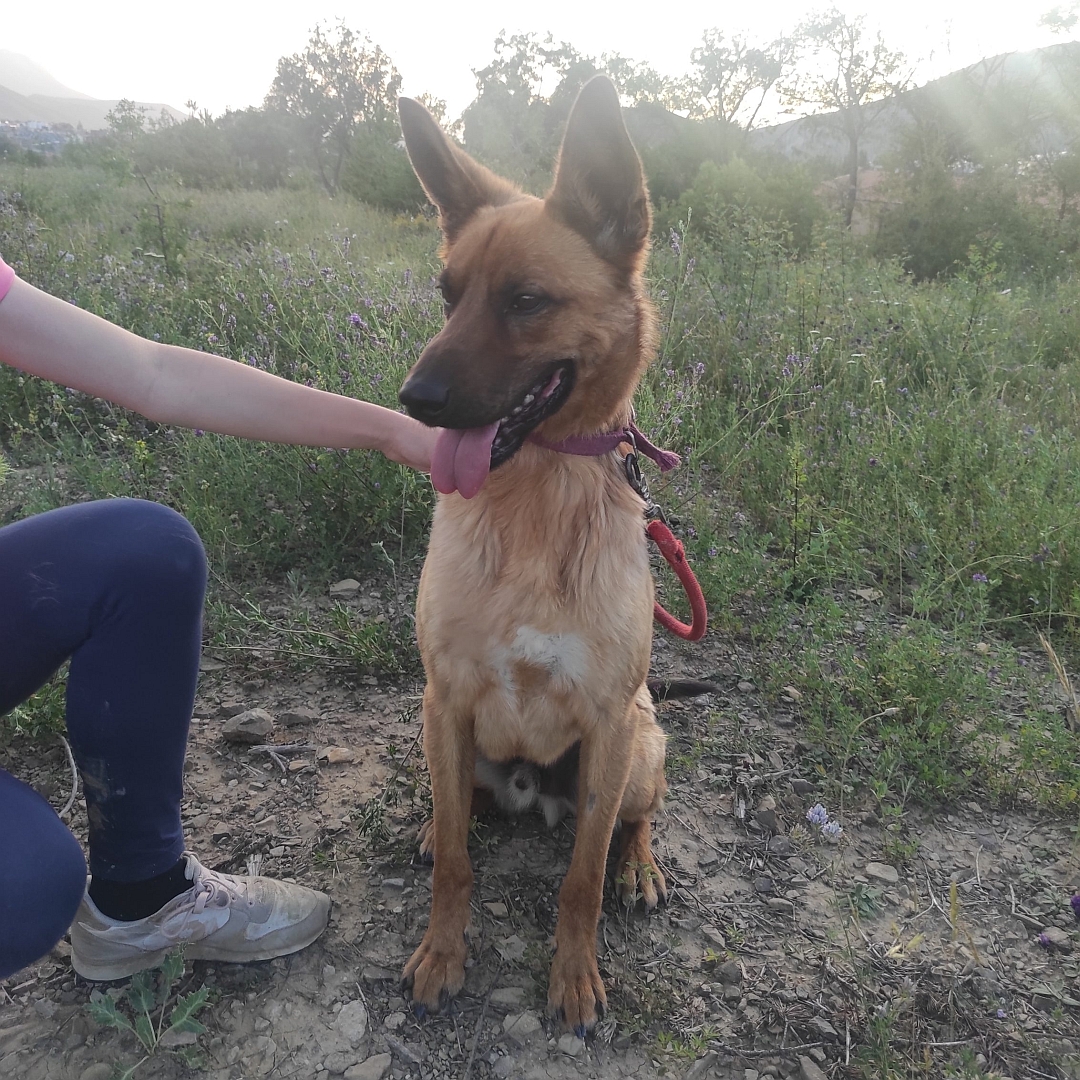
462, 458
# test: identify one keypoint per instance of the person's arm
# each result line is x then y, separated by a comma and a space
44, 336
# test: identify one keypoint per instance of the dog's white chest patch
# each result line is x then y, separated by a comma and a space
565, 657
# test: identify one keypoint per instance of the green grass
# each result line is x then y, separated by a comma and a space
880, 475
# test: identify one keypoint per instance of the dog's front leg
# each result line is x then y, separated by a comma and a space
436, 970
576, 993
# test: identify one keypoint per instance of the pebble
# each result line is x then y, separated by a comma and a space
730, 972
701, 1066
522, 1027
248, 728
344, 589
508, 996
808, 1070
571, 1045
375, 1068
503, 1067
352, 1022
1056, 939
802, 787
394, 1021
882, 872
299, 718
100, 1070
497, 909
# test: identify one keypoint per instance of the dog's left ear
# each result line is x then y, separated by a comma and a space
599, 186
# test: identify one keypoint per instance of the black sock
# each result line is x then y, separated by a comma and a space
128, 901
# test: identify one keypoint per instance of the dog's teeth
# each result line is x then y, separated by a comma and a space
529, 399
516, 411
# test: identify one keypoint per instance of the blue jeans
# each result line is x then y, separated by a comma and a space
116, 587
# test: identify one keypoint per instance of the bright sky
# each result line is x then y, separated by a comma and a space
223, 53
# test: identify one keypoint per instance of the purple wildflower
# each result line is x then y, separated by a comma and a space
199, 432
817, 815
979, 578
1044, 940
676, 243
832, 830
1074, 903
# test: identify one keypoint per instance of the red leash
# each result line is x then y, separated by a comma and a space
672, 550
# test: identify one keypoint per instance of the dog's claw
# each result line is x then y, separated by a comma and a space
579, 1031
419, 1010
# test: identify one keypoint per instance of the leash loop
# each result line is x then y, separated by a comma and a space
675, 554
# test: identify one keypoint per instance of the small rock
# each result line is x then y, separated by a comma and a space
393, 884
100, 1070
173, 1039
522, 1028
509, 997
750, 1074
570, 1044
882, 872
375, 1068
730, 973
823, 1027
394, 1020
778, 903
299, 718
336, 755
1044, 1003
780, 845
714, 937
732, 993
808, 1070
503, 1067
701, 1066
337, 1062
802, 787
1055, 939
763, 885
344, 589
248, 728
766, 814
497, 910
372, 973
228, 709
352, 1022
746, 687
403, 1052
512, 949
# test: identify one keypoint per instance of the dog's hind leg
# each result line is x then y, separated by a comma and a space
436, 971
637, 876
575, 992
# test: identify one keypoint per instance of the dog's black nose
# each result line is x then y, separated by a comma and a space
425, 398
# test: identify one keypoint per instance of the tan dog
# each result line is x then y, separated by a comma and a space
535, 609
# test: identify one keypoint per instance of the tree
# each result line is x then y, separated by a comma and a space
851, 78
126, 120
733, 77
340, 83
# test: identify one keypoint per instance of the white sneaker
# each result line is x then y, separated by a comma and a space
221, 917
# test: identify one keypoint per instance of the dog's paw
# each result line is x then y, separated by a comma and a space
426, 841
435, 975
576, 995
641, 879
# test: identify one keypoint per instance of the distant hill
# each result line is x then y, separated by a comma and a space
29, 92
980, 100
27, 77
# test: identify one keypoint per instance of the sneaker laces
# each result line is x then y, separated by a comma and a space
192, 916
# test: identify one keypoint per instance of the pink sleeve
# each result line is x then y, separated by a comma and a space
7, 276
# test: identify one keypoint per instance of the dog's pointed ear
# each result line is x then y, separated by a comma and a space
599, 186
455, 183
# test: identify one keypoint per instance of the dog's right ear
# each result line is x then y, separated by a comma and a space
455, 183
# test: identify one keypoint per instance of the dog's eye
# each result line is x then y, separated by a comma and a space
527, 303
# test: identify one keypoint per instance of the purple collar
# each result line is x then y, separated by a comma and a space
598, 445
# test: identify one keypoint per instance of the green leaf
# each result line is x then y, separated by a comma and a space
103, 1010
191, 1056
144, 1029
182, 1018
172, 967
141, 992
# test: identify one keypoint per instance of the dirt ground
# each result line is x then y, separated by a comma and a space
781, 952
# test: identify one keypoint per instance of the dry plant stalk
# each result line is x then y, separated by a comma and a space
1064, 680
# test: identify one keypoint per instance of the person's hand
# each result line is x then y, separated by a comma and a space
412, 443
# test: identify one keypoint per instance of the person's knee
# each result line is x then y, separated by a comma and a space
160, 549
45, 879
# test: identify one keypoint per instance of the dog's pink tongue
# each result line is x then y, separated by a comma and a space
461, 459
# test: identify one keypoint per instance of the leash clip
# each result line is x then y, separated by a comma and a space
636, 479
